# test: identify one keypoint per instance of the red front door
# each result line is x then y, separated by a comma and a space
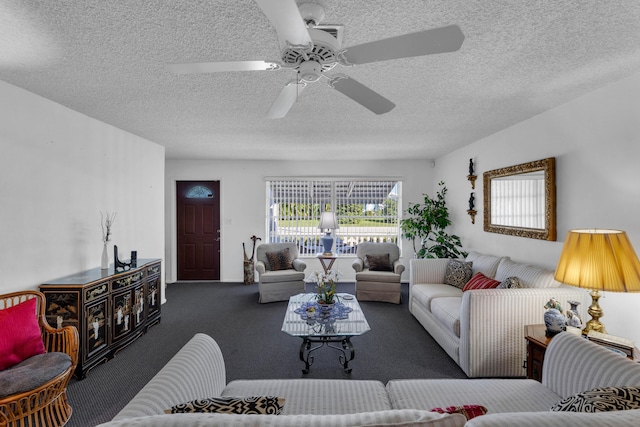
198, 205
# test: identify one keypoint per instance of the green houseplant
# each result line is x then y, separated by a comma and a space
426, 223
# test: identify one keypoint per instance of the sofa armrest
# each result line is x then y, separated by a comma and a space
298, 264
260, 267
629, 418
196, 371
427, 270
573, 364
398, 267
358, 265
492, 324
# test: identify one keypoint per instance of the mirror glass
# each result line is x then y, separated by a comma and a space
520, 200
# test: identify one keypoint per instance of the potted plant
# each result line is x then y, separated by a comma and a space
426, 223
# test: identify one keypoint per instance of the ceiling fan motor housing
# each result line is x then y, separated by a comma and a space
320, 58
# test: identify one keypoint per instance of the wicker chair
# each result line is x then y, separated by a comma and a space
46, 405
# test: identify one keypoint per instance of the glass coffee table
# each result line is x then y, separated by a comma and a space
318, 329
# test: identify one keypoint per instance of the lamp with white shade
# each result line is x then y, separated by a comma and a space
329, 222
599, 260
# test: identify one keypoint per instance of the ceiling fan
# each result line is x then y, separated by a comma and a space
312, 52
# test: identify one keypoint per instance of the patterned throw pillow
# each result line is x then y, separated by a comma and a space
510, 283
601, 399
379, 262
458, 273
231, 405
469, 411
480, 281
280, 260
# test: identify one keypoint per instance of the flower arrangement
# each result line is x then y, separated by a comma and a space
325, 285
106, 221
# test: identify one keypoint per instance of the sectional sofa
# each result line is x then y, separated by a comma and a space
482, 330
572, 364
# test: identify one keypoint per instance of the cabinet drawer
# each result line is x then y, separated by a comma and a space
126, 281
153, 270
97, 291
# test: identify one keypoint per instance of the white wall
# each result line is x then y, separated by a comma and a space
58, 170
596, 142
243, 198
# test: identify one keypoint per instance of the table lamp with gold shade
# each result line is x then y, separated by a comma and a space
599, 260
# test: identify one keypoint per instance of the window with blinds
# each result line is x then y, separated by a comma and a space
367, 210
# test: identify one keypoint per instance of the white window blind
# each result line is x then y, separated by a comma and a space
367, 210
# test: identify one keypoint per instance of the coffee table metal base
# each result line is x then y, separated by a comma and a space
347, 352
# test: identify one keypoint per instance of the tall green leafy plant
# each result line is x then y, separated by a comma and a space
426, 223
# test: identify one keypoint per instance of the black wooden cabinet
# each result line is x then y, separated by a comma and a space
110, 309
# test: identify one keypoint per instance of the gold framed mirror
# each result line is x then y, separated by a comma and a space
520, 200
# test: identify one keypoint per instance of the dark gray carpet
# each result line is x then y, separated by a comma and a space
254, 347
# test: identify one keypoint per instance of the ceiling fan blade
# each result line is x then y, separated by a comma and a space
361, 94
286, 19
428, 42
285, 100
214, 67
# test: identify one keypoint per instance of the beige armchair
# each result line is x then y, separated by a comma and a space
378, 271
280, 271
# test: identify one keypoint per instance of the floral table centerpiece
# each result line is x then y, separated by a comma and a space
325, 288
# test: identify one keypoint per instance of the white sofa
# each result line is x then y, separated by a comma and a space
483, 330
572, 364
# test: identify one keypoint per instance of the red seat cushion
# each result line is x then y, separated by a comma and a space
20, 336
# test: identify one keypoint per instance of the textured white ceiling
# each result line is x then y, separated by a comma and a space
105, 58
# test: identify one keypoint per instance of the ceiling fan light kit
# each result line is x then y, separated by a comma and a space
311, 13
311, 52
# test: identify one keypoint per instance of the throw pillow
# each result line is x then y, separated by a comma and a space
20, 336
480, 281
231, 405
379, 262
469, 411
510, 283
458, 273
280, 260
601, 399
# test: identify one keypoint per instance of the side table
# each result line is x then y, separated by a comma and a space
537, 343
326, 262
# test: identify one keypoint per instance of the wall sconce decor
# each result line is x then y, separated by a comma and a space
472, 177
471, 211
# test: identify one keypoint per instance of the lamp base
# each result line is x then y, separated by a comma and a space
596, 313
327, 243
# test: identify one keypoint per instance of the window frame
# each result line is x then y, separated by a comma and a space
316, 199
